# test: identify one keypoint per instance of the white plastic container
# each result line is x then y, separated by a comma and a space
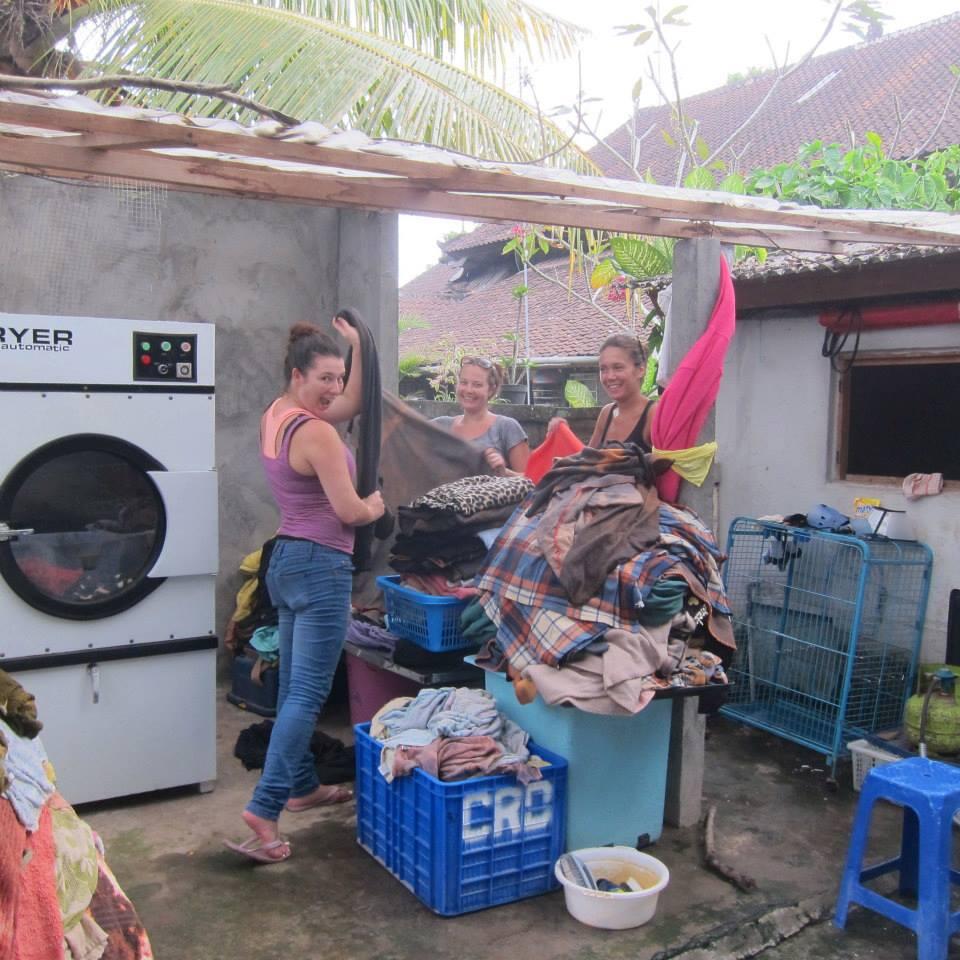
613, 911
864, 756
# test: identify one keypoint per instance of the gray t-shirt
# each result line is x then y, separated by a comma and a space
504, 434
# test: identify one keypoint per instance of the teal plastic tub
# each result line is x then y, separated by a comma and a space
617, 777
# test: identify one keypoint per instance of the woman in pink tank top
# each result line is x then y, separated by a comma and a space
311, 474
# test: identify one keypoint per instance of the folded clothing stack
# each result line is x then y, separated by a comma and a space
445, 533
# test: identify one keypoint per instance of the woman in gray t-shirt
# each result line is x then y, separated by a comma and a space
503, 441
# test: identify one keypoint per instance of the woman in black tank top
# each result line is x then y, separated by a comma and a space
622, 368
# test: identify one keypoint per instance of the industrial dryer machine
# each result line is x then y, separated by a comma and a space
108, 546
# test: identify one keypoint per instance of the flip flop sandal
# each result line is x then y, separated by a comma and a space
255, 849
339, 795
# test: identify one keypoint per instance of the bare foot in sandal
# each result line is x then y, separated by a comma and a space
321, 797
269, 847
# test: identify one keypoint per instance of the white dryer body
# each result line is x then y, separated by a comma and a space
109, 545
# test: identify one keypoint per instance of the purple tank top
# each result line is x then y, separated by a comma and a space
305, 511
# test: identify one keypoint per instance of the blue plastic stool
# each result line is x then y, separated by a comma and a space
929, 793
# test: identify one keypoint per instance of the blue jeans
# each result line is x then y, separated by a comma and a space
310, 585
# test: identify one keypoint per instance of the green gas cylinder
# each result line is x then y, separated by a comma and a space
942, 733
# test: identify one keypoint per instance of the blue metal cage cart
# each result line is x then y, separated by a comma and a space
828, 631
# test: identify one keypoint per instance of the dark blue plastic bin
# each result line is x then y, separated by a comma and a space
466, 845
430, 622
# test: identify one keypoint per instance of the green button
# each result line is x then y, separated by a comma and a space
145, 345
166, 346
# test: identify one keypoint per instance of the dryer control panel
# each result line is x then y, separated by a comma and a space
163, 358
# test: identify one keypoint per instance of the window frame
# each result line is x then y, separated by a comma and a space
875, 358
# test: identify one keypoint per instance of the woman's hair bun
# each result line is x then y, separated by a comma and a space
300, 330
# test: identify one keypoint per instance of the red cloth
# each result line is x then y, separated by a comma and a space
680, 413
38, 925
13, 842
560, 442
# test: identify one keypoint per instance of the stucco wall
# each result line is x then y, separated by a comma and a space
775, 417
251, 267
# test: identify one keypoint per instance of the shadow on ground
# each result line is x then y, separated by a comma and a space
777, 821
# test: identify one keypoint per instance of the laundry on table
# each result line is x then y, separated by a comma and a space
446, 532
592, 557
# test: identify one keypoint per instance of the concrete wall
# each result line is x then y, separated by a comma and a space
251, 267
775, 427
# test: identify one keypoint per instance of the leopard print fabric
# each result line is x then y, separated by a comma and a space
473, 494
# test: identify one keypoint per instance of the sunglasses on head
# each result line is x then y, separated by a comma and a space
477, 362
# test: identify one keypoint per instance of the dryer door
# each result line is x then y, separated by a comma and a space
85, 524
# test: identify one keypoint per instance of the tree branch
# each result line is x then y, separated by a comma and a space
579, 296
740, 880
780, 77
217, 91
939, 123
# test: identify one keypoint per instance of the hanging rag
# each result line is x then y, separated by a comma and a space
680, 413
368, 446
693, 464
440, 457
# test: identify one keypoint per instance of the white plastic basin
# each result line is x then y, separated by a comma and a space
613, 911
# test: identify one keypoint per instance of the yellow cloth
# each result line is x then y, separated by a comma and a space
693, 463
249, 565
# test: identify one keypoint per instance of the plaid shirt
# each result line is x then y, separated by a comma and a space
536, 623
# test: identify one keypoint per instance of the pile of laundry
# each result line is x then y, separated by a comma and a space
252, 628
601, 594
445, 533
58, 897
452, 733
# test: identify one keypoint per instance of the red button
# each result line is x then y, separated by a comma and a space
145, 359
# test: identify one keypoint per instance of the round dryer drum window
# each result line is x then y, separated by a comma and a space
84, 525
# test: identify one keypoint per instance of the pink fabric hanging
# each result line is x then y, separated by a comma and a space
680, 413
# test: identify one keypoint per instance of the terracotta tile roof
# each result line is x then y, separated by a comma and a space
782, 263
852, 89
478, 315
849, 89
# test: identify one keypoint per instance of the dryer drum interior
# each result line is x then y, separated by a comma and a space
98, 524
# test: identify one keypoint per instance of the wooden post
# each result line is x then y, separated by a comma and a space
696, 278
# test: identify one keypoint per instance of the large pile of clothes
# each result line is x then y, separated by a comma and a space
58, 898
599, 593
452, 733
445, 533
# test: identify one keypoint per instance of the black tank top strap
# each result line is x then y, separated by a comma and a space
636, 434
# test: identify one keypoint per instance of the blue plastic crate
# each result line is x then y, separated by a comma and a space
466, 845
431, 622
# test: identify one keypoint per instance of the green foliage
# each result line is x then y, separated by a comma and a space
386, 68
578, 394
863, 177
642, 258
649, 385
446, 371
604, 273
413, 365
411, 321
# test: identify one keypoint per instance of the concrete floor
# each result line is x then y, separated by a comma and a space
777, 820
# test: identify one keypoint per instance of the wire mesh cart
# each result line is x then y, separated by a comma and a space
828, 631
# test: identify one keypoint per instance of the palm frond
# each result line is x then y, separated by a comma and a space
474, 33
318, 70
